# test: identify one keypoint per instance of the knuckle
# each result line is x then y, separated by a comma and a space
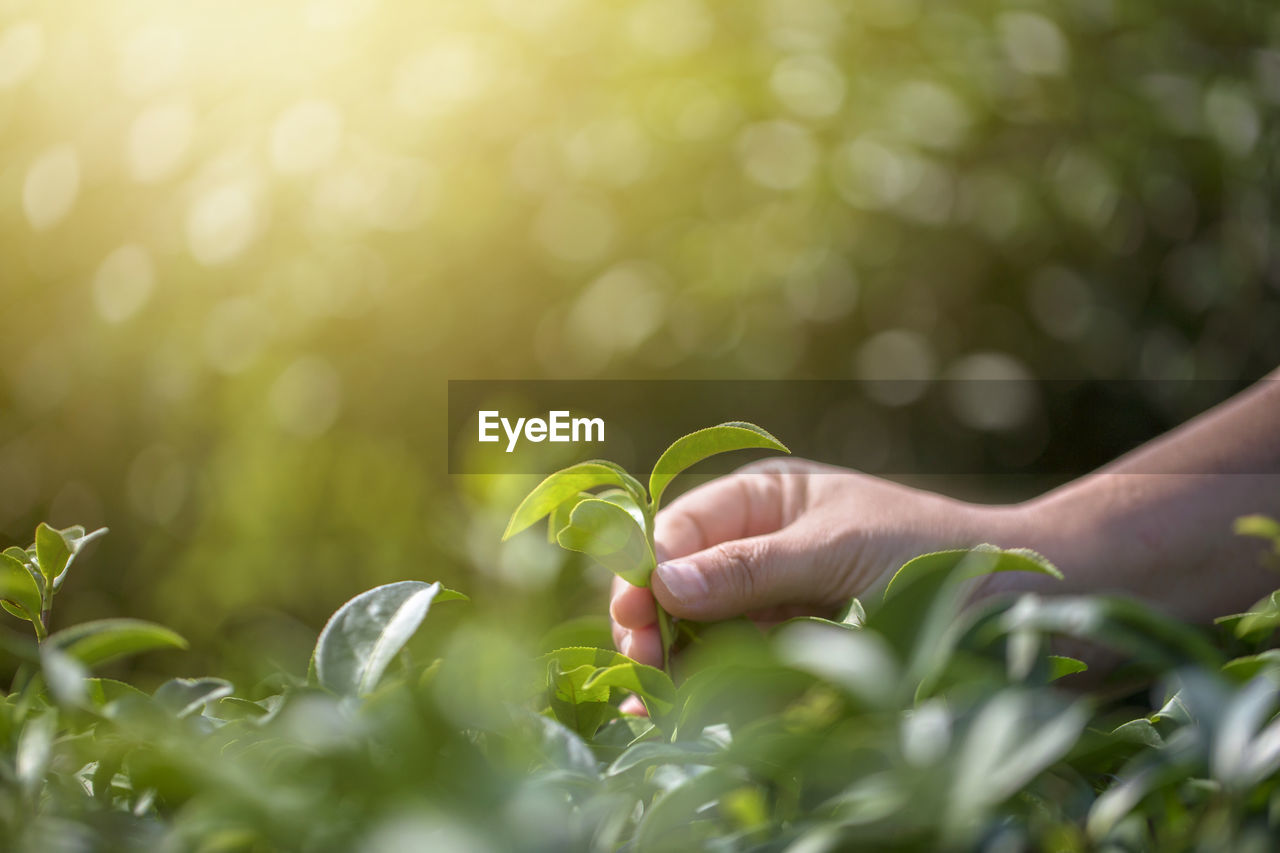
743, 564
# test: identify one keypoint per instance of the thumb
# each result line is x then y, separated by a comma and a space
735, 577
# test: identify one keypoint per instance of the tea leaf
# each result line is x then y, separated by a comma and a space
186, 696
105, 640
559, 518
565, 484
103, 691
611, 536
696, 446
602, 673
35, 749
653, 686
969, 563
53, 552
1061, 665
359, 641
17, 586
65, 677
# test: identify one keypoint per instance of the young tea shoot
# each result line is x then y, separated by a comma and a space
614, 526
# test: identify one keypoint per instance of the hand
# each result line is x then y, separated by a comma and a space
787, 537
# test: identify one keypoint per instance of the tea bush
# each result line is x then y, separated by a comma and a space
914, 722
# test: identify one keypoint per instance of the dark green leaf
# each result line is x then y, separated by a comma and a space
693, 448
565, 484
1245, 668
94, 643
610, 535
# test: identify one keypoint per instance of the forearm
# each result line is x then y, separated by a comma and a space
1157, 523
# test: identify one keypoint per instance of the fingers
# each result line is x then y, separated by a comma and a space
748, 503
631, 606
642, 644
739, 576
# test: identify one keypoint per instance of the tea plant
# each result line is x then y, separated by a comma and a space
915, 723
615, 527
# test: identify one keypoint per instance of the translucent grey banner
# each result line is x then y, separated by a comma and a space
1045, 428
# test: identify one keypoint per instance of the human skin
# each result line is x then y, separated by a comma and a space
786, 537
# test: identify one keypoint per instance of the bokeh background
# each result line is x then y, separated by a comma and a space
243, 246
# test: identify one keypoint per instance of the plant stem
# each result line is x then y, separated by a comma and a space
666, 628
667, 631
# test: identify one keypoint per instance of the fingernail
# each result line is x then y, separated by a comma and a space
683, 580
625, 646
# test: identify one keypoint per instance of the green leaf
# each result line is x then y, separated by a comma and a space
360, 640
565, 484
601, 674
105, 640
1259, 621
969, 563
857, 661
77, 539
35, 750
1060, 665
625, 501
186, 696
53, 552
611, 536
1245, 668
561, 747
14, 610
696, 446
18, 586
674, 821
104, 691
559, 518
65, 677
658, 694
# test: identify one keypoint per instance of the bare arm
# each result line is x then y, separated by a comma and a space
791, 536
1157, 522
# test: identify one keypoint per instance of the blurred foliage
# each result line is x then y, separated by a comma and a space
245, 244
914, 724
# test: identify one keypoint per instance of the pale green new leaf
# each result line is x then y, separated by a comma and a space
19, 587
94, 643
696, 446
53, 552
565, 484
602, 673
611, 536
559, 518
